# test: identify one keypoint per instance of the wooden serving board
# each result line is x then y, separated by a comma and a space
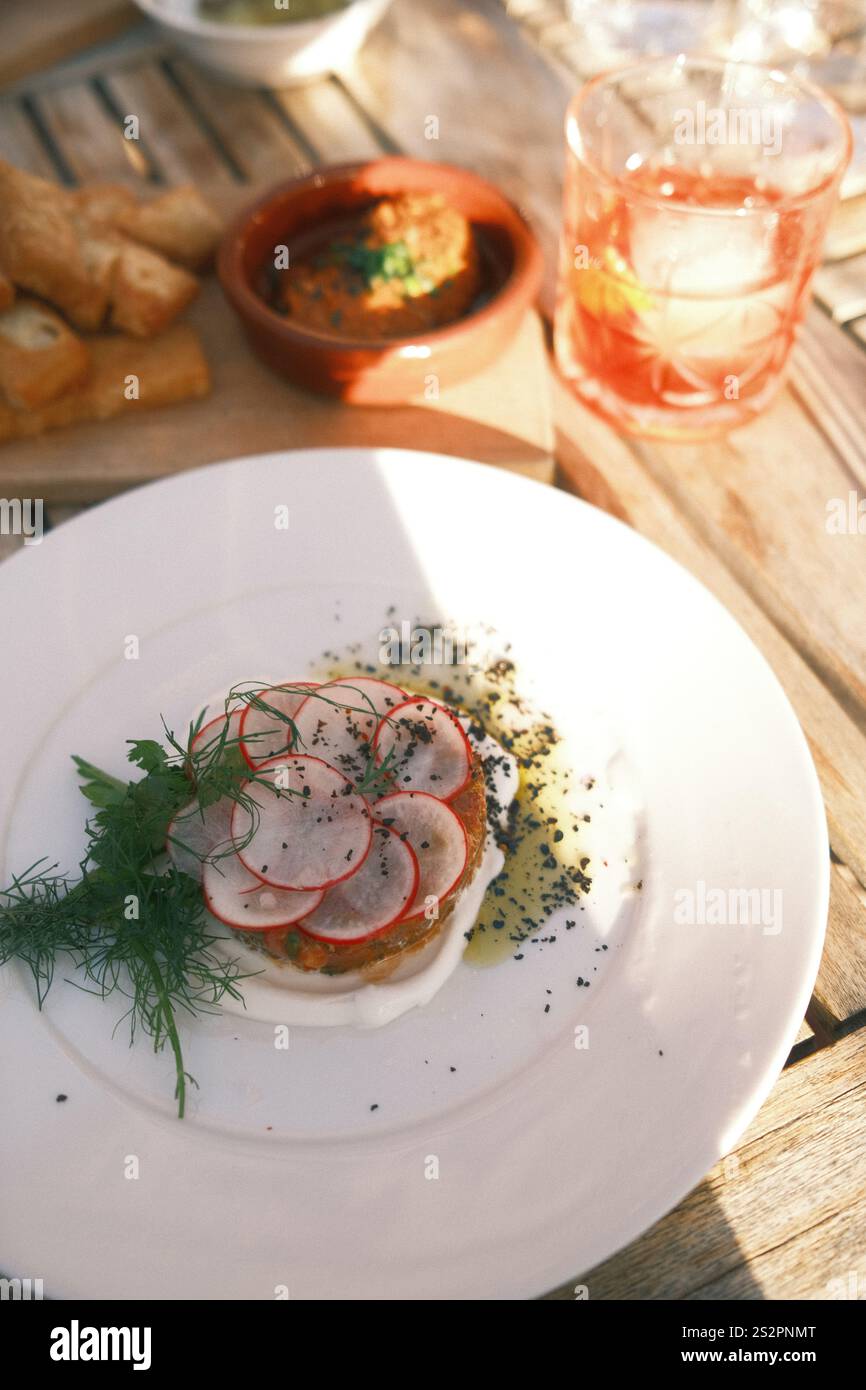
501, 416
31, 40
234, 143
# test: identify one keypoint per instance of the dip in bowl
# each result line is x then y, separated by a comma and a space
379, 282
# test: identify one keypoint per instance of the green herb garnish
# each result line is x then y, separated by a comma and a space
130, 922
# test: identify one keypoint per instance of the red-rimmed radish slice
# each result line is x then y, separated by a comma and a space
207, 740
431, 752
314, 829
265, 735
338, 721
195, 833
241, 900
372, 900
438, 838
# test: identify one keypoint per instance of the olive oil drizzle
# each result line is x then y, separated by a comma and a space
546, 866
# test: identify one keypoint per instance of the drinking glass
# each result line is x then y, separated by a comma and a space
697, 196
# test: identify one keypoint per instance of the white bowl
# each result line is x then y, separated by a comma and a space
255, 55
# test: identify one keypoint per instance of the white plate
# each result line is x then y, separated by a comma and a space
549, 1156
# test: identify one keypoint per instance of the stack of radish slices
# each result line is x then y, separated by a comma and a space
316, 853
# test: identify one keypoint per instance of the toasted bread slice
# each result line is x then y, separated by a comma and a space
7, 292
39, 247
127, 374
378, 956
100, 249
148, 292
104, 203
40, 357
179, 224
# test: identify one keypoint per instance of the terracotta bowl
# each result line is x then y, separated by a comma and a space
394, 370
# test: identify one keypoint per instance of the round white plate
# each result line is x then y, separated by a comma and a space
502, 1158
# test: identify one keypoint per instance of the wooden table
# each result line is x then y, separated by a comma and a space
784, 1215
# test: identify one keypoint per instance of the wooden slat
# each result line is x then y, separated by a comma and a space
829, 374
604, 469
760, 501
841, 286
31, 40
259, 142
330, 122
840, 990
782, 1217
847, 233
90, 140
169, 128
19, 141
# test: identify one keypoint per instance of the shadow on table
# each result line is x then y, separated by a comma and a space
692, 1253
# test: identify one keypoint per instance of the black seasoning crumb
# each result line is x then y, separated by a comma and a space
547, 1008
452, 1068
61, 1098
374, 1107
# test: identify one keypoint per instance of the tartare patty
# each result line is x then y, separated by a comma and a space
381, 953
409, 264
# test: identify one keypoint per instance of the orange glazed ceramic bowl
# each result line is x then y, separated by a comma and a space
381, 371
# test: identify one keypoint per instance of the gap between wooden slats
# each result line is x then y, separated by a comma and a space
90, 139
828, 373
248, 122
182, 141
20, 141
841, 287
330, 122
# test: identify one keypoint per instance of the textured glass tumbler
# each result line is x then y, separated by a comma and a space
697, 196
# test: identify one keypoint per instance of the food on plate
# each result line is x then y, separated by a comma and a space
317, 827
104, 260
409, 263
345, 827
168, 369
266, 12
40, 357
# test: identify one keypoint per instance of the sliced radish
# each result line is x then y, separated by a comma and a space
373, 899
431, 752
195, 833
338, 721
208, 738
313, 830
438, 837
239, 899
265, 735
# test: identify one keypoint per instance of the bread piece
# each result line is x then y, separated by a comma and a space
39, 247
7, 292
148, 292
167, 369
103, 203
40, 357
100, 250
179, 224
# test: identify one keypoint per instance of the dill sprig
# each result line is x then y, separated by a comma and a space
130, 923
